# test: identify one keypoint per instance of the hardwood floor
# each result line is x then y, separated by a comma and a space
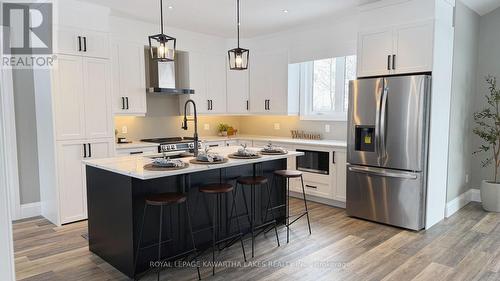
463, 247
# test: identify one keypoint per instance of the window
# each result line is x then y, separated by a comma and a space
325, 88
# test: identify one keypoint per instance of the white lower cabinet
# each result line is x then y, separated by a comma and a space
71, 175
331, 187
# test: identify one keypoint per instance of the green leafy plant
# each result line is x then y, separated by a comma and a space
222, 127
488, 126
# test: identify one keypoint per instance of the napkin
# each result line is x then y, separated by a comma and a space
167, 162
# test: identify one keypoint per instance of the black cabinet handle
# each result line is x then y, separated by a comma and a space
268, 104
333, 157
79, 43
84, 151
136, 152
247, 104
311, 186
126, 99
265, 104
84, 44
394, 62
208, 104
389, 62
211, 105
123, 102
90, 150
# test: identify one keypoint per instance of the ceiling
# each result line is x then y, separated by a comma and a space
482, 7
218, 17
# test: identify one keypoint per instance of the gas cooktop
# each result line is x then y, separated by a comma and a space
173, 144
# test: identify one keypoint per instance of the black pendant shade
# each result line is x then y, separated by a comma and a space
162, 46
238, 57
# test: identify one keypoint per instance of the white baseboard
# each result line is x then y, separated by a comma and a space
471, 195
30, 210
321, 200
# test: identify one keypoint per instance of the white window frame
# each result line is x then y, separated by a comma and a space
306, 93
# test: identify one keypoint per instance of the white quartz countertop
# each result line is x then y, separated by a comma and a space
325, 143
133, 165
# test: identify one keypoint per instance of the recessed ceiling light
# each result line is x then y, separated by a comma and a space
170, 7
285, 11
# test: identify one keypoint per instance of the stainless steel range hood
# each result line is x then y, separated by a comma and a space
168, 78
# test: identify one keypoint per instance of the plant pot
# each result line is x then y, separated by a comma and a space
490, 196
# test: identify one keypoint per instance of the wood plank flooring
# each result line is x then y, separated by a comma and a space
463, 247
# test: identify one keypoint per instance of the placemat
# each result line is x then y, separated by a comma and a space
151, 167
195, 161
273, 153
235, 156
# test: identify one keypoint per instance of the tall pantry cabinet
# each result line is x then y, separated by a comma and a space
74, 119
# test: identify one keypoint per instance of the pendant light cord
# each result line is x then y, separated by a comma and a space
238, 20
161, 16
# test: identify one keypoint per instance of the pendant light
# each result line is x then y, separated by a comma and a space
238, 57
162, 46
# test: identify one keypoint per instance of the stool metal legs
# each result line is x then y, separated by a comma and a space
305, 203
160, 242
271, 208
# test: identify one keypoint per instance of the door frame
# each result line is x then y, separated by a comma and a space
10, 139
7, 267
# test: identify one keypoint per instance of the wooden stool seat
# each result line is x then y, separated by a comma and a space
165, 199
288, 173
216, 188
258, 180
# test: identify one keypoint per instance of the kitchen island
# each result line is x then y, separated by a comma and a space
116, 188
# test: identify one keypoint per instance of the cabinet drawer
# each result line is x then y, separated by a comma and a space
314, 184
137, 151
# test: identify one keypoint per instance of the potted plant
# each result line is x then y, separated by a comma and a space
222, 129
488, 129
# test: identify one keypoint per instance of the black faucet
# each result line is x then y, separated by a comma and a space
185, 125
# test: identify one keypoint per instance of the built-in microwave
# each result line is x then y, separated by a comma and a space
317, 162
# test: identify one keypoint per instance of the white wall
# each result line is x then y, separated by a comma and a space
462, 99
27, 151
488, 63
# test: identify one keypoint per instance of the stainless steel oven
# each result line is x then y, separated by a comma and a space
317, 162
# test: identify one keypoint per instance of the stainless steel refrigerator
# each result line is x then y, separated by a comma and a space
387, 149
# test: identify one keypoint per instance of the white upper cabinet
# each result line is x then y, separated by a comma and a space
129, 78
398, 50
413, 48
269, 84
237, 91
374, 52
82, 98
97, 98
207, 77
69, 98
216, 83
81, 42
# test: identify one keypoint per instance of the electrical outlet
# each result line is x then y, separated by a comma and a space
276, 126
124, 129
466, 178
206, 127
327, 128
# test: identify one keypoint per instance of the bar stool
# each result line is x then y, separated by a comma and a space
287, 175
219, 189
254, 181
164, 200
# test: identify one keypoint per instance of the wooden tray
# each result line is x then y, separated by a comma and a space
235, 156
194, 161
273, 153
151, 167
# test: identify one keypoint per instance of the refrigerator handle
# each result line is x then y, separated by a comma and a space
383, 173
380, 89
383, 119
